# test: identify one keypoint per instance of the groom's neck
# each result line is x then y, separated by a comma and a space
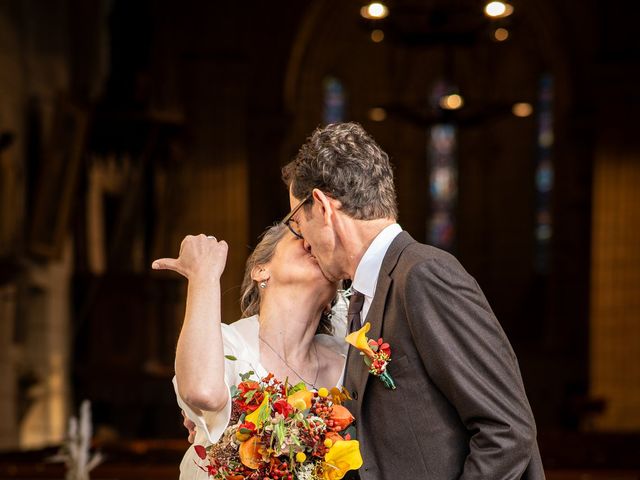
359, 234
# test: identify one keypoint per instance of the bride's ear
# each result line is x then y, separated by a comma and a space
260, 273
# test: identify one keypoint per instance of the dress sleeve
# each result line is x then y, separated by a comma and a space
213, 424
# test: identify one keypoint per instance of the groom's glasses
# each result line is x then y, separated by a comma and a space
289, 218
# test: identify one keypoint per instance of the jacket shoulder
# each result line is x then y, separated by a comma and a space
427, 256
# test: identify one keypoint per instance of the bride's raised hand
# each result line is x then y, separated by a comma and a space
200, 258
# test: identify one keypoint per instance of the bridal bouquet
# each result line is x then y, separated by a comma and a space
280, 431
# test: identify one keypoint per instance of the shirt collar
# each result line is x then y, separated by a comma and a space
366, 276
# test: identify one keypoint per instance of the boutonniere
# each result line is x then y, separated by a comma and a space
377, 354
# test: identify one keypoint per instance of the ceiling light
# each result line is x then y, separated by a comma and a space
374, 11
498, 9
451, 102
377, 114
522, 109
501, 34
377, 36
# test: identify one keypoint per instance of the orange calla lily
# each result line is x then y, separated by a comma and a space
250, 454
342, 457
359, 340
301, 396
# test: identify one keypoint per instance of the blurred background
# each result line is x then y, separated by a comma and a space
126, 125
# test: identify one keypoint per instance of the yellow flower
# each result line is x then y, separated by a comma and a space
323, 392
300, 457
359, 340
342, 457
300, 400
254, 416
338, 396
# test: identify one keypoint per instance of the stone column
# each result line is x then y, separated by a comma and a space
8, 411
46, 351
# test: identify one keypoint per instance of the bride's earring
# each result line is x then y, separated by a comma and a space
262, 284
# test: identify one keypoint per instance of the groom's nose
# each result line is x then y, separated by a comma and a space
306, 245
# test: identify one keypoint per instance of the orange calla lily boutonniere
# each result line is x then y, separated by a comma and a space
377, 354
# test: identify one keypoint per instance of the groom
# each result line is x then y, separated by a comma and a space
460, 408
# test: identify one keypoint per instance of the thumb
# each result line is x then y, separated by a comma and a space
166, 264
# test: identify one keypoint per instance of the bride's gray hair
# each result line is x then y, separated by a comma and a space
261, 255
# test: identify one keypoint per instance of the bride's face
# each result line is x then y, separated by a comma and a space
293, 265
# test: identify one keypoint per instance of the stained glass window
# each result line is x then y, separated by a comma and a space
334, 100
544, 174
443, 188
443, 178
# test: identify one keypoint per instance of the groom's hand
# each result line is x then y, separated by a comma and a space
190, 426
200, 257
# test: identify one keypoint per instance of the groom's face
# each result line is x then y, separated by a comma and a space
319, 238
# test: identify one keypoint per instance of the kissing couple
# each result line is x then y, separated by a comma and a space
459, 408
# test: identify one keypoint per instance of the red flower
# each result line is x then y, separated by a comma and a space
245, 387
249, 426
283, 407
255, 401
383, 347
200, 451
245, 431
213, 471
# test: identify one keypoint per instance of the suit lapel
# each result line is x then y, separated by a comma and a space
375, 315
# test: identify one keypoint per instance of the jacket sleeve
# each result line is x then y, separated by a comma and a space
468, 356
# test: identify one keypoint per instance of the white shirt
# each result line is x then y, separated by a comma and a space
368, 270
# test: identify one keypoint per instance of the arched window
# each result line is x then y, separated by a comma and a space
544, 174
443, 177
334, 100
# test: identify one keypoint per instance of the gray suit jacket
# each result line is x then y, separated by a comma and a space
460, 410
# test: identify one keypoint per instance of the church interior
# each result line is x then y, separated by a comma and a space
128, 125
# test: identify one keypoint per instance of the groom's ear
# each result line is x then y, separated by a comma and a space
328, 206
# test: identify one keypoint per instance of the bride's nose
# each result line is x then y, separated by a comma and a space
306, 245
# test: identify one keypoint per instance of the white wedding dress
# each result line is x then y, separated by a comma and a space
241, 341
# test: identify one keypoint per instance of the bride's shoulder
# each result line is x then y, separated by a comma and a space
244, 328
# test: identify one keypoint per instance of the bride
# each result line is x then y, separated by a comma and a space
286, 329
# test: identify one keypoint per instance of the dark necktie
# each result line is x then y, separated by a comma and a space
356, 301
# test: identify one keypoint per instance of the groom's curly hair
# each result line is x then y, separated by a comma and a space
346, 163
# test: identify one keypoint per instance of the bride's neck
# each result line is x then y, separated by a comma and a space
288, 323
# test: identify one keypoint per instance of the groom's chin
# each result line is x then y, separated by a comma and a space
331, 278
